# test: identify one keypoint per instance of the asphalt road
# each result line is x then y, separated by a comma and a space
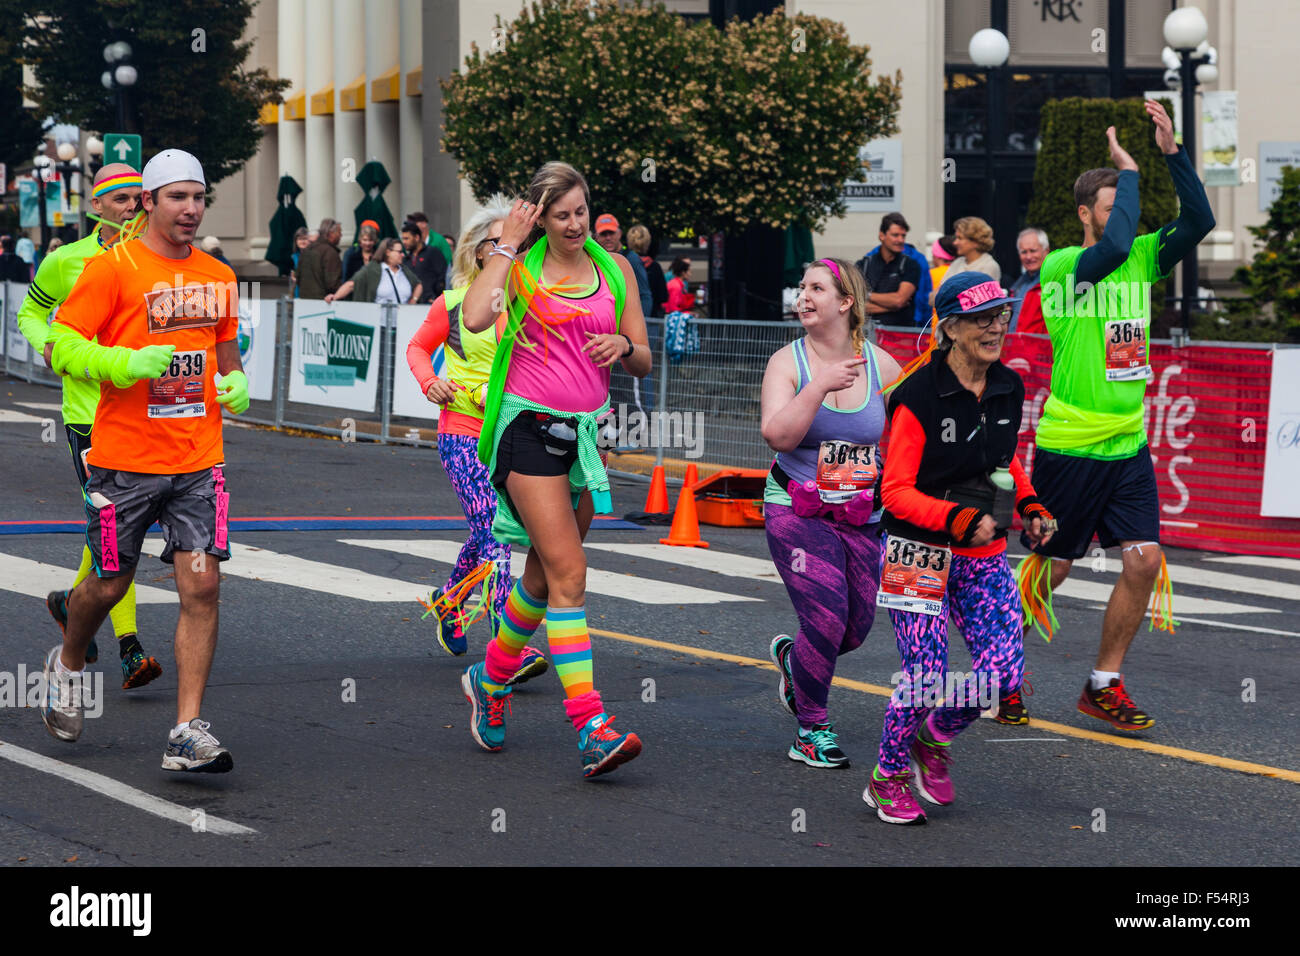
393, 776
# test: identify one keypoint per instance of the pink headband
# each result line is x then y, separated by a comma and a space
834, 268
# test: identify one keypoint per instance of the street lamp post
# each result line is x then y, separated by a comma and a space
990, 48
119, 78
42, 163
68, 167
1185, 31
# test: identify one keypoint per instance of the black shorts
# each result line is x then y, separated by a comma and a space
121, 506
79, 444
1114, 499
522, 451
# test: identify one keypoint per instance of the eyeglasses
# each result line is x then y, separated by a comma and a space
985, 319
492, 239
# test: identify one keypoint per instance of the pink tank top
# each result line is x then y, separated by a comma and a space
555, 372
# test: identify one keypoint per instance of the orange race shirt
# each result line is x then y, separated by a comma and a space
169, 425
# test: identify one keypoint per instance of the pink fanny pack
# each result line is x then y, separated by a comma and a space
807, 503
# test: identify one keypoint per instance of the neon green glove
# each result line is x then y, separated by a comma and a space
233, 391
77, 356
148, 362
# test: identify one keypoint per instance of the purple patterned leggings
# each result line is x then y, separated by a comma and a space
831, 571
984, 603
478, 499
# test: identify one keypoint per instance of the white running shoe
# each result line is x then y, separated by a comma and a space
196, 750
61, 700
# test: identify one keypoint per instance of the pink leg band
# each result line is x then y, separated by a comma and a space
501, 665
223, 507
108, 538
583, 707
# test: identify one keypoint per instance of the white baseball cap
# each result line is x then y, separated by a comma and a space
172, 166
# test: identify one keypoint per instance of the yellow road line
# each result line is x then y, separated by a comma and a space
1132, 743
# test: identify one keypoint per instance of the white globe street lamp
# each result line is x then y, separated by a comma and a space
1185, 28
125, 75
989, 48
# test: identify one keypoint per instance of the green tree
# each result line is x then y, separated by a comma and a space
1272, 280
193, 91
672, 123
20, 130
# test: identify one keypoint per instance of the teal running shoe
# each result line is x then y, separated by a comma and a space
487, 709
604, 748
819, 747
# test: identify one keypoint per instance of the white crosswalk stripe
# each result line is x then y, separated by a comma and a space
629, 587
720, 562
37, 579
1258, 561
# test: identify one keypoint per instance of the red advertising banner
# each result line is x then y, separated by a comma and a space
1207, 426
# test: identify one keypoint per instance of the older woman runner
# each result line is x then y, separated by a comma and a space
950, 485
460, 391
570, 320
823, 415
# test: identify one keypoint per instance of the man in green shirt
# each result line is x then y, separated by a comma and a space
1092, 466
115, 198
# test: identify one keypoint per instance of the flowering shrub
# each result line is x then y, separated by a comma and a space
673, 123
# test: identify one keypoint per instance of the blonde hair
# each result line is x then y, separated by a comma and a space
638, 239
976, 230
549, 183
850, 282
464, 264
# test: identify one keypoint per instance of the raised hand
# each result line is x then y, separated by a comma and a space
519, 224
1118, 155
1164, 127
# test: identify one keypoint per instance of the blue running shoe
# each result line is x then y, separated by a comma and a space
531, 664
57, 603
604, 748
488, 710
451, 637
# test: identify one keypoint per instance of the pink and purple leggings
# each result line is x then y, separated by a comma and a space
984, 603
831, 571
478, 499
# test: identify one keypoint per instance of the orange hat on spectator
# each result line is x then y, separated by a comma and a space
606, 223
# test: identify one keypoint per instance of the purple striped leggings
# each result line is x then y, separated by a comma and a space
831, 571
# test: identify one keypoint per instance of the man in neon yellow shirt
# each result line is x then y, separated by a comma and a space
115, 198
1092, 467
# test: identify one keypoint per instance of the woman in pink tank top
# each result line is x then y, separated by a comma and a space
560, 362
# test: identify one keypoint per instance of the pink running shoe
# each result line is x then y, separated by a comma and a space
930, 761
892, 799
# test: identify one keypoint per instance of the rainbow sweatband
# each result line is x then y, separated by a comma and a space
120, 181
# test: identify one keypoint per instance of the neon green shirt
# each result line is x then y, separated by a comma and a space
1101, 342
58, 273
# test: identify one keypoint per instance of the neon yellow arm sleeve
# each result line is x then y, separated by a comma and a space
78, 357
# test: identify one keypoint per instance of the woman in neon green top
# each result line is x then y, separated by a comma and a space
570, 320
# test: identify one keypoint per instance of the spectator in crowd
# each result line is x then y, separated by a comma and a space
313, 236
680, 298
973, 238
385, 278
610, 236
54, 244
212, 246
1032, 247
320, 267
894, 275
12, 267
361, 253
941, 255
435, 239
301, 240
638, 240
425, 261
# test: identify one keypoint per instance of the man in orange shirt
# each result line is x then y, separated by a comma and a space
150, 321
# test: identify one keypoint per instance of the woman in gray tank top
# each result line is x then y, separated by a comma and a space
823, 415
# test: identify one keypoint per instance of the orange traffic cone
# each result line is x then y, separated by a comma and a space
656, 502
686, 525
692, 476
